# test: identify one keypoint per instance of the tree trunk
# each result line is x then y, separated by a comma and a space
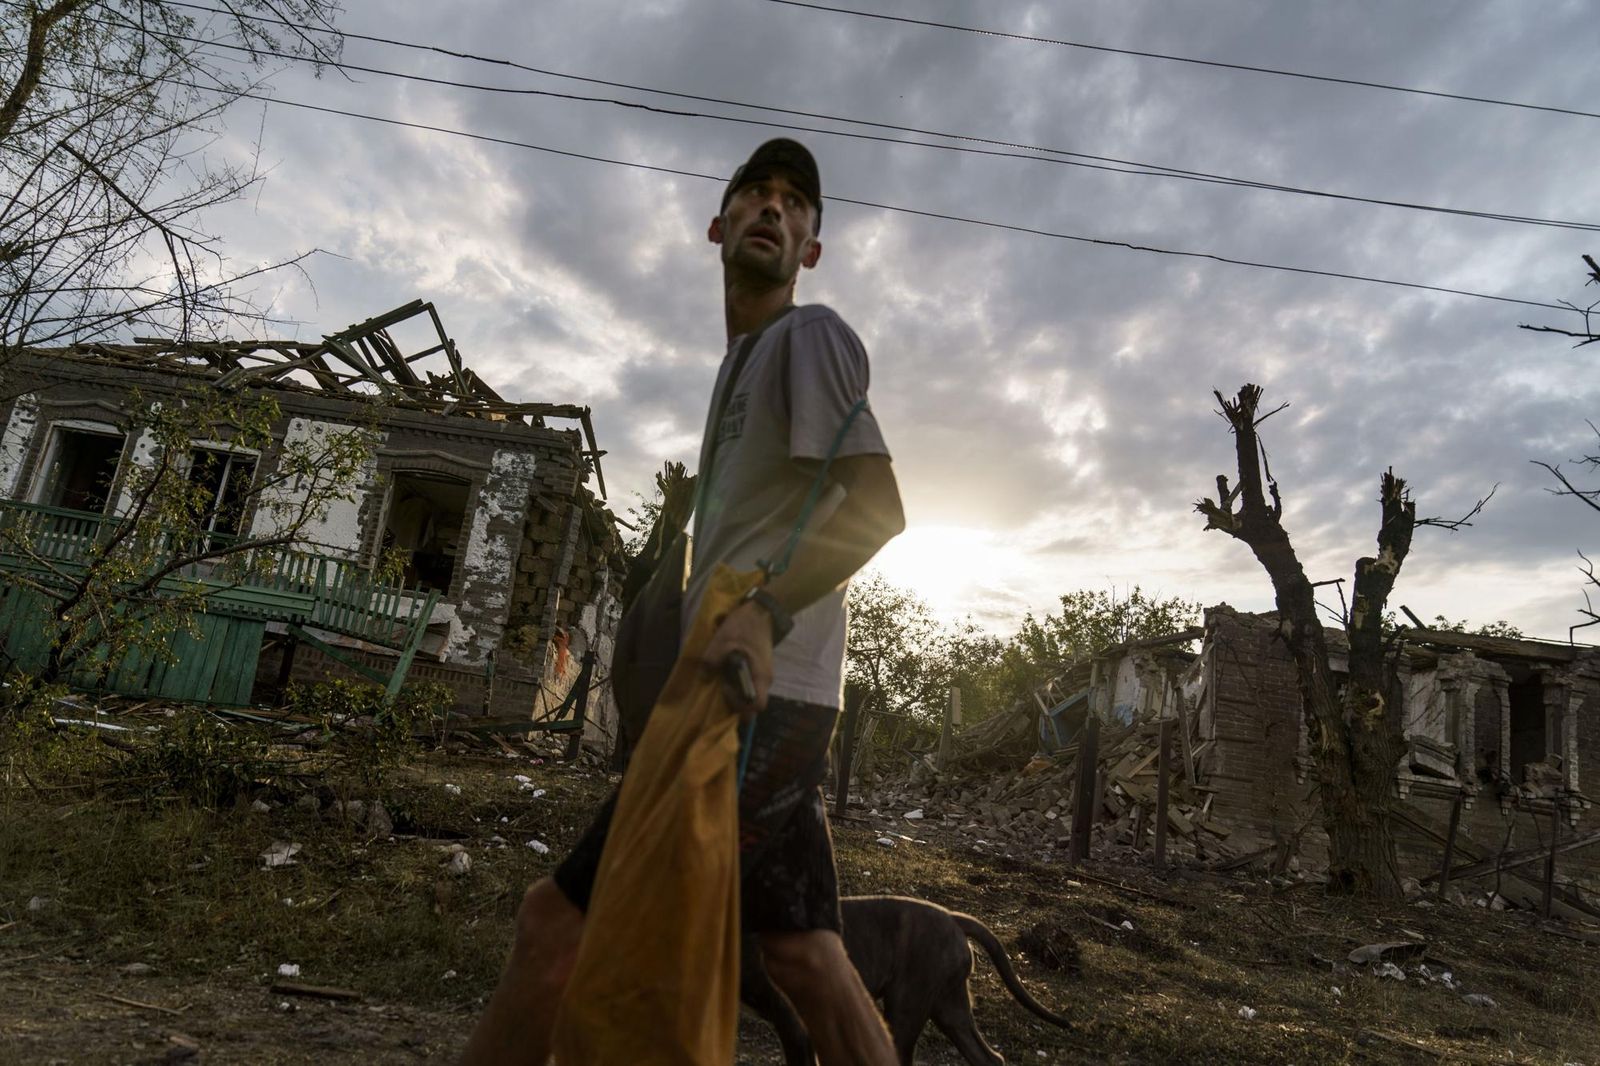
1357, 740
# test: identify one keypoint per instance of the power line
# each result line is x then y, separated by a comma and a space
895, 208
1168, 57
1014, 150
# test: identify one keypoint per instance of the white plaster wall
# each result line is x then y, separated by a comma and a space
1126, 689
336, 526
486, 566
142, 456
1426, 713
14, 442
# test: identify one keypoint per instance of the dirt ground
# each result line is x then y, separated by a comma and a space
150, 931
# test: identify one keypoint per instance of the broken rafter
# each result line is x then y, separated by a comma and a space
362, 360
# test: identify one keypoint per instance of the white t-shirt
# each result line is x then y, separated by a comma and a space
801, 380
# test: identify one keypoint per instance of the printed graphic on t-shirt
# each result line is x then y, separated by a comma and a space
732, 425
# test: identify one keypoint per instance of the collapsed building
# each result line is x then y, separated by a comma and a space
1500, 728
509, 565
1499, 733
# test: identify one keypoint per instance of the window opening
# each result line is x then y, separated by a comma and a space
221, 480
1530, 741
81, 468
424, 525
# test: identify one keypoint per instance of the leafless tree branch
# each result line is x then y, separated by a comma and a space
1453, 524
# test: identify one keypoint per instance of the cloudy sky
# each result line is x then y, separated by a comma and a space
1048, 401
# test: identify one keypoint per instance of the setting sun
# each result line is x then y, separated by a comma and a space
942, 564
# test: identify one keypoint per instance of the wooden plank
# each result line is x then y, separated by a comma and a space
1141, 792
1550, 860
853, 698
237, 674
1450, 844
295, 988
140, 1004
1512, 860
337, 655
1135, 763
217, 631
1517, 886
1185, 742
1163, 779
1082, 812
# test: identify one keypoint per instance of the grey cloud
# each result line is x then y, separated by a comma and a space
990, 348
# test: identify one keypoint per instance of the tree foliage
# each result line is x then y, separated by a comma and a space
107, 108
897, 647
1498, 628
907, 660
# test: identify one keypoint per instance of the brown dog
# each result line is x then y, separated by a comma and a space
913, 956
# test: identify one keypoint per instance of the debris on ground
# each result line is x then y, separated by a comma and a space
280, 853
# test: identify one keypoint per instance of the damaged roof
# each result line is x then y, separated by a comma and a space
360, 363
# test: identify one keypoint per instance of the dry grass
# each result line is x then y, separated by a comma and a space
181, 889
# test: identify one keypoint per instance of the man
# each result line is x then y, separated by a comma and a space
784, 411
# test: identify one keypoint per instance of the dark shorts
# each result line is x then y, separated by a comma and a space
789, 883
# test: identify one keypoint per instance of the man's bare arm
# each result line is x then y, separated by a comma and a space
869, 516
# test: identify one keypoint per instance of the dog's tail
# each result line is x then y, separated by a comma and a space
996, 951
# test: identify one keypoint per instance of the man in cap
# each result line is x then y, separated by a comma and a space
787, 402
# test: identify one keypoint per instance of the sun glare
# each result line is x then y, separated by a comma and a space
941, 564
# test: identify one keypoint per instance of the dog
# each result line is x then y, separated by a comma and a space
913, 956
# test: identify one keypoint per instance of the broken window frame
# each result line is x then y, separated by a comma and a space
45, 477
235, 458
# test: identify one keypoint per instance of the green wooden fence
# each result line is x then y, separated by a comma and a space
45, 549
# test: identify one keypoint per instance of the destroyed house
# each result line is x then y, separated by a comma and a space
1505, 732
1501, 765
509, 565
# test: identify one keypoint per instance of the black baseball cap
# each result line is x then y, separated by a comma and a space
791, 156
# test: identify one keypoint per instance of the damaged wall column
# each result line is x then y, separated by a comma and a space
491, 557
337, 529
21, 425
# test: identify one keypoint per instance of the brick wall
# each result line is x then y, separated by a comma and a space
512, 695
1255, 729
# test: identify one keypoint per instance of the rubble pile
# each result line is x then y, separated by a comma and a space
1029, 812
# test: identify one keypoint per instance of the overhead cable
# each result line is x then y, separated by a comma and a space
1172, 58
895, 208
999, 148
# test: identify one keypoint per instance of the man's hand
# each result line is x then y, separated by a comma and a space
746, 630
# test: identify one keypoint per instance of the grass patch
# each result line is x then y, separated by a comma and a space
139, 871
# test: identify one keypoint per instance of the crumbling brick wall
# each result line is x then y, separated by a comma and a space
1253, 718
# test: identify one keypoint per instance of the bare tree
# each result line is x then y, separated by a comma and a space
1587, 332
1356, 734
107, 108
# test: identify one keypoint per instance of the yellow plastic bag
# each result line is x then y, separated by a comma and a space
656, 981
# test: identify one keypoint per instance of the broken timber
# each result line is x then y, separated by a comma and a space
359, 362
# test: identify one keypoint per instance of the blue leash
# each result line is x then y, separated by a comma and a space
746, 743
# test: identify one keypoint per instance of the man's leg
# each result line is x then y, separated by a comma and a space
812, 969
515, 1027
790, 892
